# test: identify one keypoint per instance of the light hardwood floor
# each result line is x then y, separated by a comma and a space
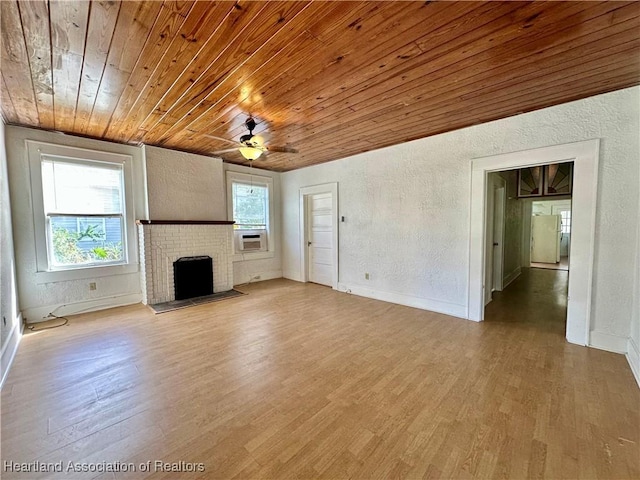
299, 381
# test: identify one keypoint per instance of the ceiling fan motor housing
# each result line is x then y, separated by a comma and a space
250, 124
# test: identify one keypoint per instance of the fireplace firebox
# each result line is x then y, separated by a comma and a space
193, 277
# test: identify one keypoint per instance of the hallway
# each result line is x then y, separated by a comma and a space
537, 298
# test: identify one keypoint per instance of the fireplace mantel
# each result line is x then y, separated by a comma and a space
184, 222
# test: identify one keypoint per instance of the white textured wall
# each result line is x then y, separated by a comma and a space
184, 186
36, 298
266, 268
9, 314
633, 347
407, 206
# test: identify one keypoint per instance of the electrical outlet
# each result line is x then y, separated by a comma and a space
92, 286
366, 276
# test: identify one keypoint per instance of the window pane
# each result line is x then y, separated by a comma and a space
250, 203
566, 221
74, 188
85, 240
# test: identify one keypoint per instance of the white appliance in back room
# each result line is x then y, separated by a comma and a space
546, 231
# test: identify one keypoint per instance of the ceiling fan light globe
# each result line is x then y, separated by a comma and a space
250, 153
257, 140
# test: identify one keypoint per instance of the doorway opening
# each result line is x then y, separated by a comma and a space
525, 231
319, 234
584, 156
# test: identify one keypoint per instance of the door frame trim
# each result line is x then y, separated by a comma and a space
585, 156
331, 188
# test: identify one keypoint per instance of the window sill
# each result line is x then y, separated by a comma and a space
241, 257
83, 273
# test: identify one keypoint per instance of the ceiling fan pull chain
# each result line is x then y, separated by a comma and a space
251, 175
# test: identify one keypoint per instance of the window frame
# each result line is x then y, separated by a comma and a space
45, 272
248, 179
236, 225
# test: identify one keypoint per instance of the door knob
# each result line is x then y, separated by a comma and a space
308, 244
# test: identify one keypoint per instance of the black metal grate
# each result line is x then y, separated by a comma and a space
193, 277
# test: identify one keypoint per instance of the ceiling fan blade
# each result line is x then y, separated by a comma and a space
221, 139
282, 149
226, 150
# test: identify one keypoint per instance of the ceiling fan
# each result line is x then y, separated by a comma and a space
251, 146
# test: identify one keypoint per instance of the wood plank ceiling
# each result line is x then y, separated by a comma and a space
331, 79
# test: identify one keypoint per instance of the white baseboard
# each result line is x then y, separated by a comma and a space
40, 314
608, 342
250, 278
10, 348
633, 357
295, 275
511, 277
432, 305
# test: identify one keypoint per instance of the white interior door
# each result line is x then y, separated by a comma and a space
545, 245
319, 238
498, 237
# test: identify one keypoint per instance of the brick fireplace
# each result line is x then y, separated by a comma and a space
162, 242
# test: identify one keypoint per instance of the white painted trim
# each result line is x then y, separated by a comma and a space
331, 188
268, 275
10, 348
40, 314
585, 156
608, 342
82, 273
429, 304
292, 275
633, 357
44, 273
272, 236
243, 257
511, 277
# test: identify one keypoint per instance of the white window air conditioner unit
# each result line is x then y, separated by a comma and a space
252, 241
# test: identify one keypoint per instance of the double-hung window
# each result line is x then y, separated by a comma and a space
250, 206
250, 202
82, 212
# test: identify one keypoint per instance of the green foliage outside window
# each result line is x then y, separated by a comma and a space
249, 206
67, 251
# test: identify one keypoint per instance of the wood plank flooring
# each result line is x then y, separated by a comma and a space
299, 381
